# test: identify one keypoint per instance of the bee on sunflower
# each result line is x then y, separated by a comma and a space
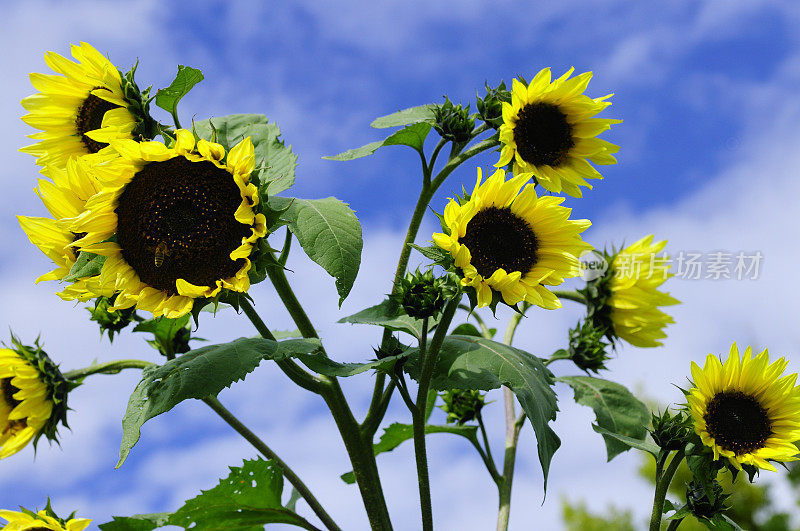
508, 243
173, 223
83, 107
549, 132
746, 410
43, 520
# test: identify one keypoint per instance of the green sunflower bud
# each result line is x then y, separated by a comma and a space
139, 105
699, 502
671, 432
453, 122
587, 349
462, 405
420, 294
393, 347
110, 321
490, 107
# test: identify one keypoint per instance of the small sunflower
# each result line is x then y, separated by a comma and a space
44, 520
78, 112
511, 242
33, 397
548, 132
746, 410
174, 223
635, 274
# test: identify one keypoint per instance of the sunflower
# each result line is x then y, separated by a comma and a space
511, 242
33, 400
746, 410
548, 132
174, 223
43, 520
635, 274
78, 112
65, 198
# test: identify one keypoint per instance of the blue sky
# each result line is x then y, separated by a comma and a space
708, 95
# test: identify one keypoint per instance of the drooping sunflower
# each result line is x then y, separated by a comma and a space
33, 400
174, 223
511, 242
745, 409
549, 133
45, 519
78, 112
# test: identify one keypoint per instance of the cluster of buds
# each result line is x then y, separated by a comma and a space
490, 107
462, 405
420, 294
453, 122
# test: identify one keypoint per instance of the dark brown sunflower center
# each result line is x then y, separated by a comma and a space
496, 237
737, 422
542, 134
90, 117
8, 392
175, 219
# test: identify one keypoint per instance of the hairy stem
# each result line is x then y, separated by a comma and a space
109, 367
420, 452
662, 485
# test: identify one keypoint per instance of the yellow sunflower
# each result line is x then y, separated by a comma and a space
40, 521
65, 198
548, 132
512, 242
746, 410
78, 112
635, 274
181, 219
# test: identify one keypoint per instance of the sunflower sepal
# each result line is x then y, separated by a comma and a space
454, 123
490, 107
109, 320
586, 347
86, 265
139, 105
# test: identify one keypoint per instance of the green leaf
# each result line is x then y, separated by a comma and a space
197, 374
168, 98
432, 252
137, 522
413, 136
320, 363
87, 265
388, 315
275, 163
247, 499
164, 331
396, 434
412, 115
467, 329
330, 234
294, 497
467, 362
645, 446
615, 409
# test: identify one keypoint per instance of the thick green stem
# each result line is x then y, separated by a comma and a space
265, 450
662, 485
570, 295
420, 451
109, 367
488, 459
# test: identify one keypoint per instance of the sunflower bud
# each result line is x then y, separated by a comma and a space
139, 105
393, 347
420, 294
44, 519
587, 348
670, 432
453, 122
110, 320
490, 107
33, 397
462, 405
700, 504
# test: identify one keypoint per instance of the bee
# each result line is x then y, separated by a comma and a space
161, 252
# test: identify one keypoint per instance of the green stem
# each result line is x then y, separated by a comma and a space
570, 295
662, 485
673, 524
420, 452
259, 445
175, 119
488, 459
109, 367
287, 246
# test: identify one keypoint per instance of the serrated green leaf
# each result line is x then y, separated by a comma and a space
86, 265
197, 374
397, 433
137, 522
412, 115
431, 252
387, 315
615, 409
330, 234
413, 136
322, 364
275, 162
186, 78
467, 362
247, 499
645, 446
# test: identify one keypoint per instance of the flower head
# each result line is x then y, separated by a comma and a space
44, 520
33, 397
174, 224
745, 410
80, 109
511, 242
548, 132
